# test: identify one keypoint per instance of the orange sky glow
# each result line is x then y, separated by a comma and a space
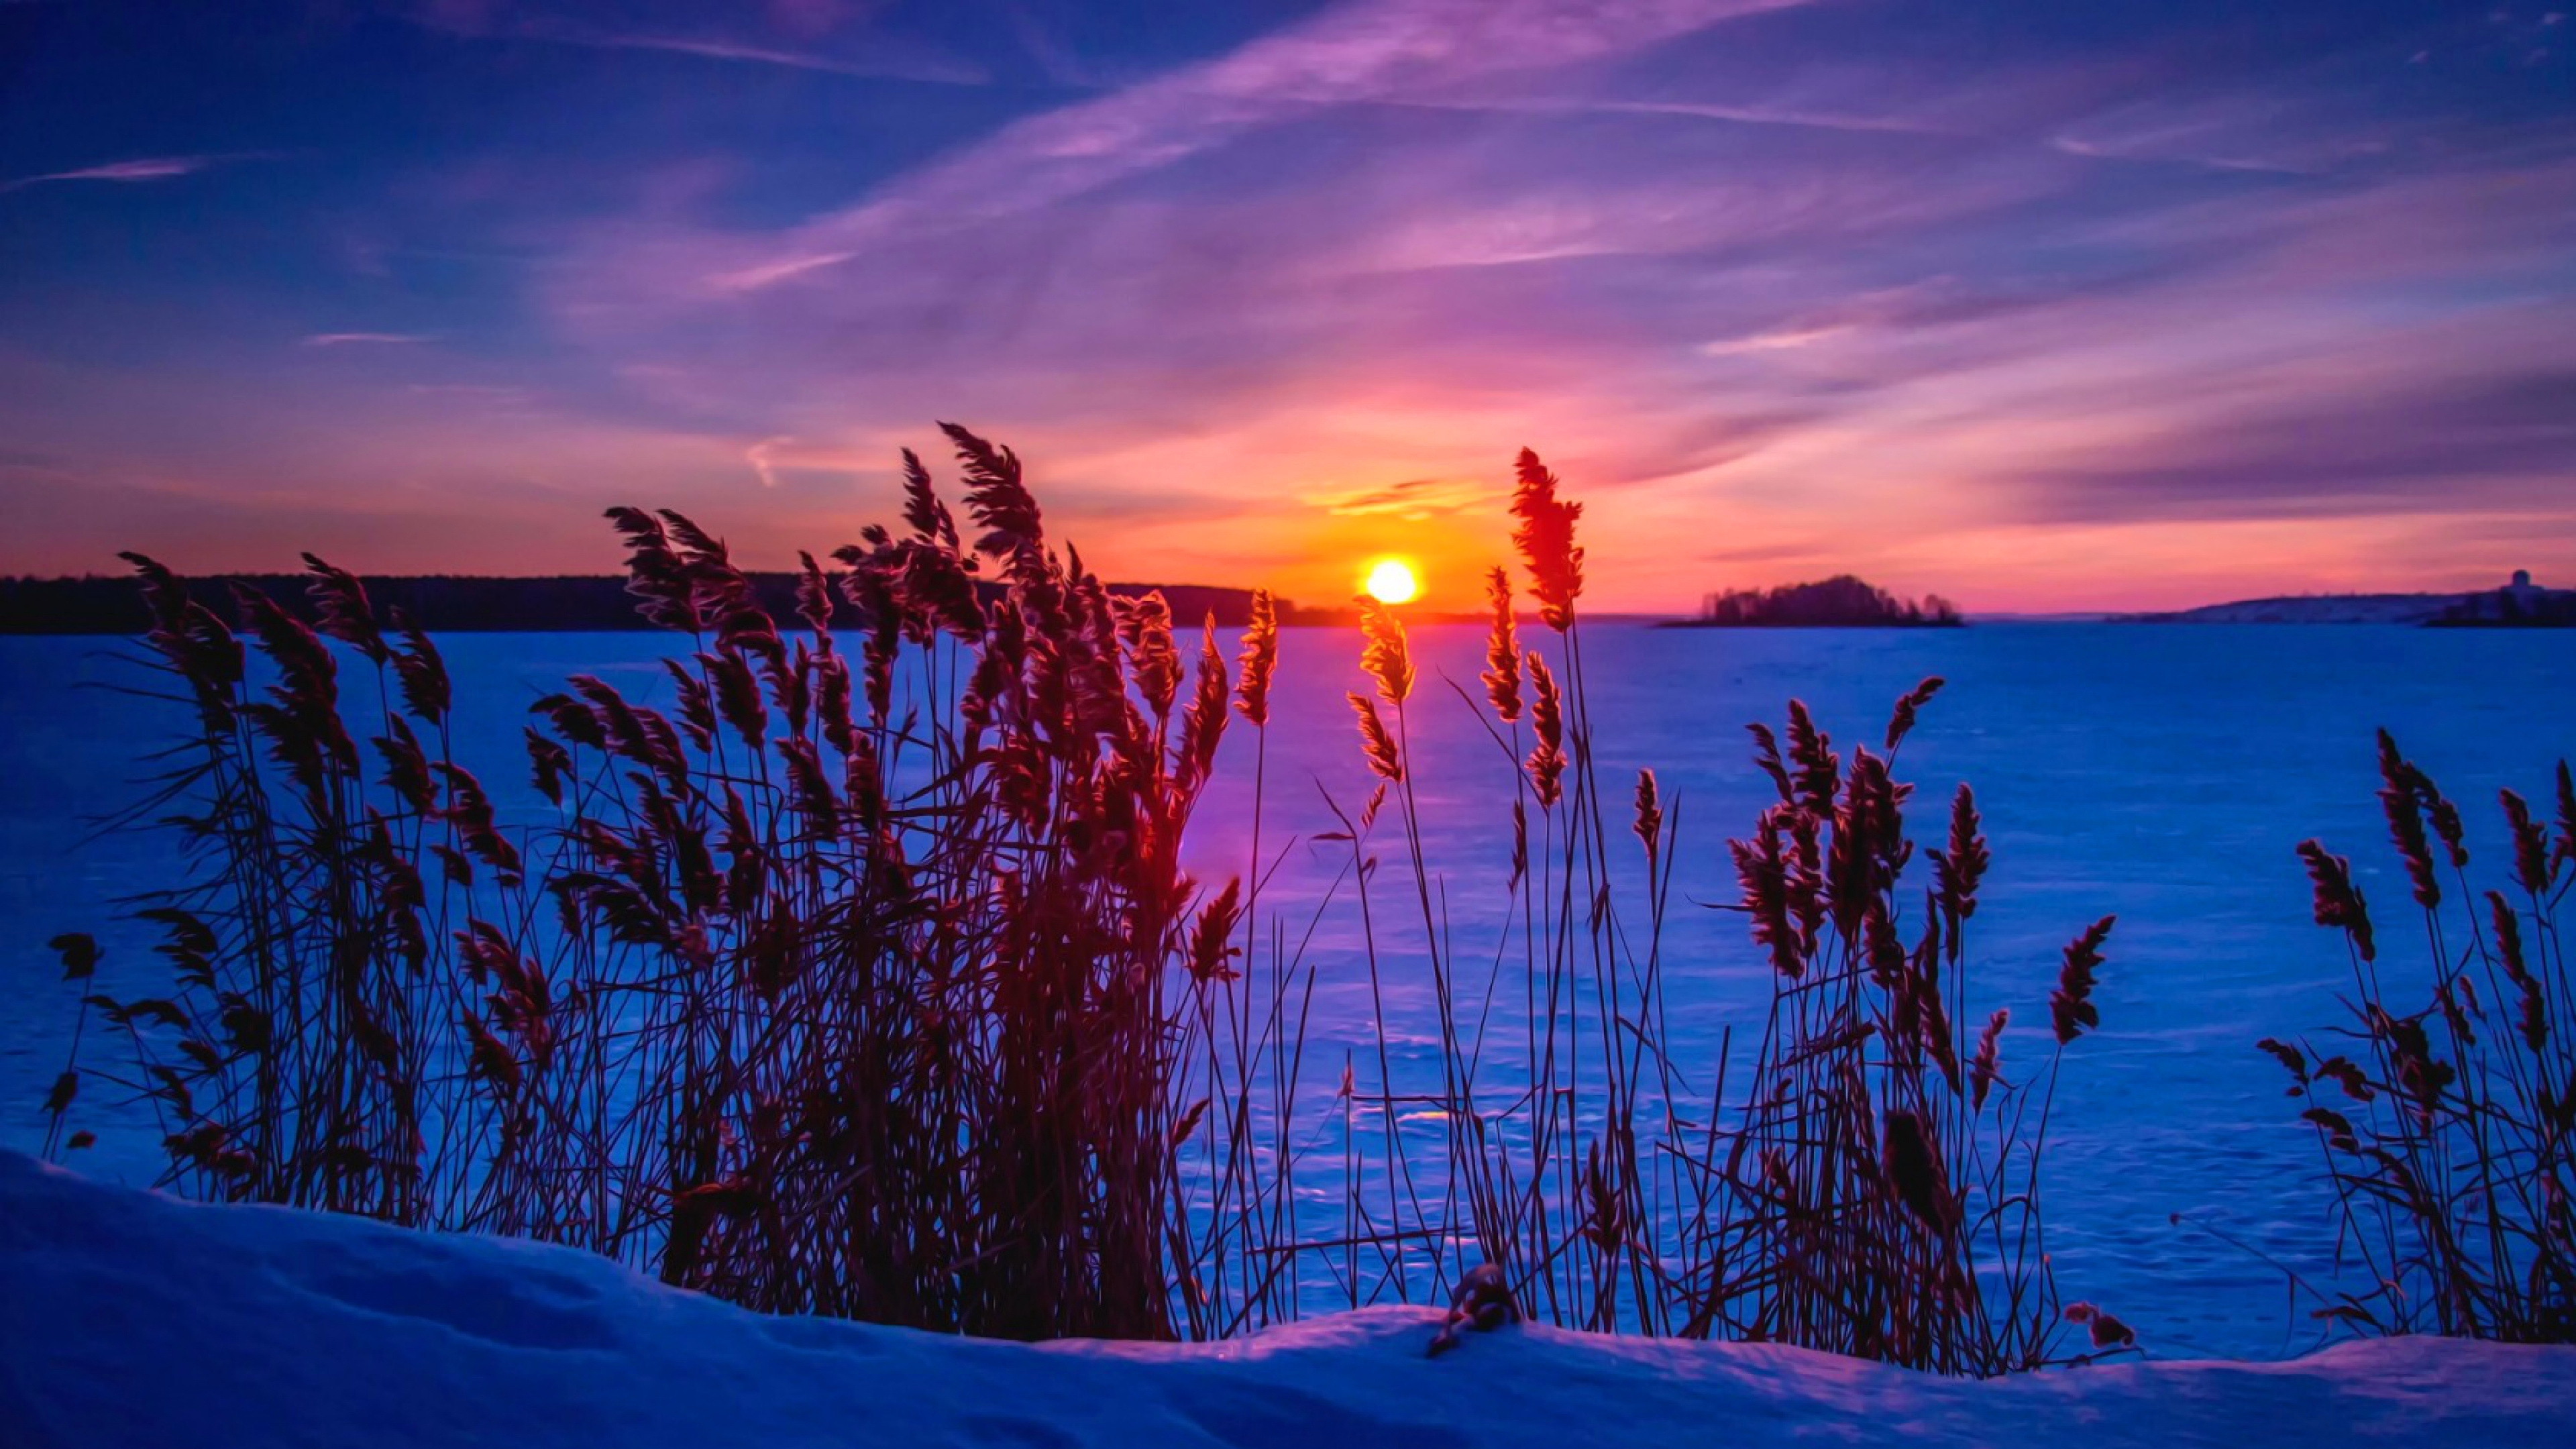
2125, 307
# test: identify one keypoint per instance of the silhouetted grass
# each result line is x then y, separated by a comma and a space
854, 985
2444, 1110
870, 983
1872, 1189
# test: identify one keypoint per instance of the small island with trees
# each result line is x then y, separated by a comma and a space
1840, 602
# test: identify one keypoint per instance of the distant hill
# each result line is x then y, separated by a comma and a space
2519, 604
462, 604
2308, 609
1840, 602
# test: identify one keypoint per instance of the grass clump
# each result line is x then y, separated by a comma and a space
855, 984
862, 976
2444, 1109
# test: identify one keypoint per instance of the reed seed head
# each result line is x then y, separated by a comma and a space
1386, 656
1545, 536
1907, 705
2533, 869
2070, 1006
2335, 901
1502, 675
1375, 742
1650, 813
1547, 719
1258, 661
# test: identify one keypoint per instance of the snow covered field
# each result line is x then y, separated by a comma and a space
128, 1318
2162, 773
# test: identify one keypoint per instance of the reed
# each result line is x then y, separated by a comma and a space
2443, 1109
858, 974
1872, 1189
870, 988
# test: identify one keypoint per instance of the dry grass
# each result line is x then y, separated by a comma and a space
869, 987
1873, 1189
871, 984
2443, 1113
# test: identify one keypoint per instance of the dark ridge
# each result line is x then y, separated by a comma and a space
458, 604
2519, 604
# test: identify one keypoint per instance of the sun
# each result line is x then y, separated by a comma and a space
1392, 581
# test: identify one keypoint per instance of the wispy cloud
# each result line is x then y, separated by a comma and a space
779, 460
1412, 499
1753, 115
873, 54
881, 64
1777, 340
2310, 446
1737, 113
1351, 54
361, 339
2100, 151
149, 168
759, 456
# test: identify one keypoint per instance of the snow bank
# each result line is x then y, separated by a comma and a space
131, 1318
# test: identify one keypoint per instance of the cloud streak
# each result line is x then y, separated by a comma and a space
1350, 54
928, 70
148, 168
363, 339
1412, 499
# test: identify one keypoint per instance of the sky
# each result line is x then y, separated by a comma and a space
2037, 304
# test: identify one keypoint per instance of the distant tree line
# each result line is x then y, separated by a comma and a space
453, 603
1841, 601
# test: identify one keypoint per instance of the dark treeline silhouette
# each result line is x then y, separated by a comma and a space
455, 603
1842, 601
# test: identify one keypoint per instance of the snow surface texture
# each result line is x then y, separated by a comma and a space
131, 1318
2159, 773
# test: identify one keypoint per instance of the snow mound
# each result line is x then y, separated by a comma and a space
132, 1318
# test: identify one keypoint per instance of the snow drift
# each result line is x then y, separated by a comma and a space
131, 1318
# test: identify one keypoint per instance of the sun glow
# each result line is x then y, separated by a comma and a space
1392, 581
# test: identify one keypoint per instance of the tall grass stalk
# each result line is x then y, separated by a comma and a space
1872, 1189
2443, 1110
868, 986
868, 981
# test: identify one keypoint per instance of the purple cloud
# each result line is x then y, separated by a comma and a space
2415, 444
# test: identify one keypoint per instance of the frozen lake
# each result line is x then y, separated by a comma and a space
2159, 772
